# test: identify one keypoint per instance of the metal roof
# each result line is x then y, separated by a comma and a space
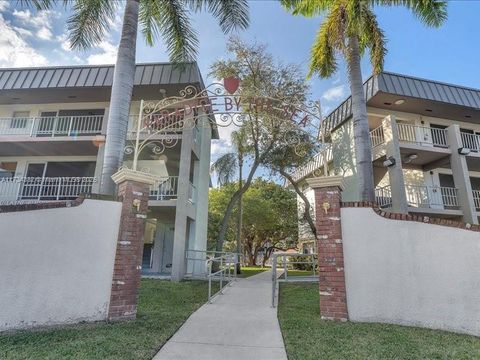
407, 86
96, 76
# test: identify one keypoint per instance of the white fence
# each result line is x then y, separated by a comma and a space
410, 273
377, 137
165, 189
52, 125
423, 196
422, 135
470, 141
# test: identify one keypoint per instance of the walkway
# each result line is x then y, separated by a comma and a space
240, 324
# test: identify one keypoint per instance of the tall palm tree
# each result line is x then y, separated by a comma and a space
90, 21
350, 28
225, 167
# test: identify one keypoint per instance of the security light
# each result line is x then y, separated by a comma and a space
410, 157
463, 151
389, 162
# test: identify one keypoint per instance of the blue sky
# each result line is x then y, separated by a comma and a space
449, 54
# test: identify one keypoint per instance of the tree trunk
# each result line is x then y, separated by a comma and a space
363, 151
120, 98
240, 215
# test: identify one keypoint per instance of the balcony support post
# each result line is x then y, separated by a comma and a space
461, 176
395, 172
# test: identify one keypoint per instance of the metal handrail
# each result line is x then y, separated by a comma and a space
377, 137
422, 135
284, 266
383, 196
224, 272
164, 189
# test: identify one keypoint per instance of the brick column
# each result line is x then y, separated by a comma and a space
333, 297
134, 189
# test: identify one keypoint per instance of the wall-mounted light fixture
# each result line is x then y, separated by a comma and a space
399, 102
463, 151
389, 162
410, 157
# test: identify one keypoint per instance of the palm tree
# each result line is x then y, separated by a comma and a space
349, 28
90, 21
225, 167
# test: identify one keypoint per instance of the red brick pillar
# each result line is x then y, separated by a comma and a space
333, 297
134, 189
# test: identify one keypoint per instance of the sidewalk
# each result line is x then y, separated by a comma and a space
241, 324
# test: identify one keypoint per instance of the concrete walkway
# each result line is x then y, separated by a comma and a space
241, 324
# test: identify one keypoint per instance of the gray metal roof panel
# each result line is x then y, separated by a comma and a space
407, 86
93, 76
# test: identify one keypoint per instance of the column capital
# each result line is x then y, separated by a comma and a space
125, 174
326, 181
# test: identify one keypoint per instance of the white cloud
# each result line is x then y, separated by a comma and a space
107, 56
4, 5
15, 51
40, 22
335, 93
64, 42
44, 33
22, 32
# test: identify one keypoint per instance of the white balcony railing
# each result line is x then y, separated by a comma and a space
422, 135
30, 189
314, 164
476, 198
383, 196
423, 196
165, 189
52, 125
471, 141
377, 137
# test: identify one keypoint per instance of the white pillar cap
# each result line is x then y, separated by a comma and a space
326, 181
125, 174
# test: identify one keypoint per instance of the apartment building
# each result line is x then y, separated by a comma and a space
425, 138
52, 135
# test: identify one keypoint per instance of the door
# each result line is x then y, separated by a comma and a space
167, 254
33, 183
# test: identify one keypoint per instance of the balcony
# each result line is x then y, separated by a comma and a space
53, 126
422, 197
30, 190
316, 163
470, 141
165, 189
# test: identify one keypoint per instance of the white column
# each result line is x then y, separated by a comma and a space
461, 176
98, 169
180, 236
395, 172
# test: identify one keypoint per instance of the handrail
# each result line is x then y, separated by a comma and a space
383, 196
224, 272
425, 196
470, 141
476, 198
315, 163
377, 137
165, 189
42, 126
422, 135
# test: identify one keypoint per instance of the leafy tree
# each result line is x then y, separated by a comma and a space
170, 20
269, 222
349, 28
261, 77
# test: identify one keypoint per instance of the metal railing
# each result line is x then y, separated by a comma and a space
315, 163
422, 135
377, 137
44, 189
154, 123
220, 268
476, 198
286, 264
164, 189
424, 196
383, 196
51, 125
470, 141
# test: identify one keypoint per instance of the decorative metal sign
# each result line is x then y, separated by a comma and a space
222, 106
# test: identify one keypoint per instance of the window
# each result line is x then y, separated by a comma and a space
20, 119
7, 169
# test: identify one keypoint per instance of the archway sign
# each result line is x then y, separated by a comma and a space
222, 106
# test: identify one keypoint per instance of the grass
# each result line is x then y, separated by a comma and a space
163, 307
307, 337
293, 273
248, 271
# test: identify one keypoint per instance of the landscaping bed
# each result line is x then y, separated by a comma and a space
307, 337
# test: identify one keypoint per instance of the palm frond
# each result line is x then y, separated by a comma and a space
173, 21
90, 21
148, 13
38, 4
430, 12
231, 14
373, 38
307, 8
225, 167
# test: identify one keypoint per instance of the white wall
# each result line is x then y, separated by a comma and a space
56, 265
411, 273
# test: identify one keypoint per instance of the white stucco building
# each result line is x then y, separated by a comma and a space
425, 138
52, 134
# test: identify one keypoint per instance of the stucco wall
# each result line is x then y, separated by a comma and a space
411, 273
57, 264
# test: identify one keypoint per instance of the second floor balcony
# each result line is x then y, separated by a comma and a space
51, 126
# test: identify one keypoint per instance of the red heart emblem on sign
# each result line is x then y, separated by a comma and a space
231, 84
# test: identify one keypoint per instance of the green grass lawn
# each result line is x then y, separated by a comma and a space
248, 271
307, 337
293, 273
163, 307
